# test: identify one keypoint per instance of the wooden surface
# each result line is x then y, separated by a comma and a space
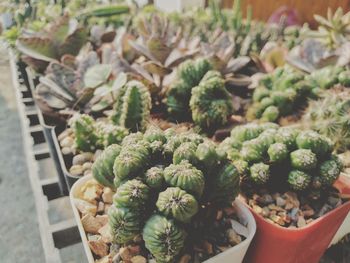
262, 9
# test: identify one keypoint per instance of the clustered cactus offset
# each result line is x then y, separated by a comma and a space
279, 94
200, 92
163, 179
91, 135
268, 154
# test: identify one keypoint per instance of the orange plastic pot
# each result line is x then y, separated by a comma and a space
275, 244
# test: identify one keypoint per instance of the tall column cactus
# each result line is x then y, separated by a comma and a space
133, 105
159, 198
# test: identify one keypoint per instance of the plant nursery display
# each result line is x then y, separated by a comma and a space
185, 131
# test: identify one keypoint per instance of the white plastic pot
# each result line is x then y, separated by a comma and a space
234, 254
177, 5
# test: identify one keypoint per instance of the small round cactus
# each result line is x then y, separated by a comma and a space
303, 159
102, 169
177, 203
186, 151
278, 152
131, 160
260, 173
155, 177
163, 238
299, 180
329, 171
132, 193
287, 136
125, 224
185, 176
313, 141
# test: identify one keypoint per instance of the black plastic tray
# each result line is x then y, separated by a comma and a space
50, 133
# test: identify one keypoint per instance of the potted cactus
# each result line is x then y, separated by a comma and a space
288, 177
173, 197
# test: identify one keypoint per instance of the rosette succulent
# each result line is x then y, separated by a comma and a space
163, 180
268, 154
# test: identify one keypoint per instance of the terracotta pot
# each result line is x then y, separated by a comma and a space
276, 244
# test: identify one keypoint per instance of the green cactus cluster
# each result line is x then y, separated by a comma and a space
330, 116
329, 76
90, 135
280, 93
132, 107
267, 154
199, 92
162, 180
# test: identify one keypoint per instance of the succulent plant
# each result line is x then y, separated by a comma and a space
282, 154
132, 107
200, 92
160, 197
91, 135
210, 103
84, 130
279, 94
329, 115
163, 237
333, 30
189, 74
61, 38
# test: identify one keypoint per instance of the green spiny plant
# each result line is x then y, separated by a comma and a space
279, 94
132, 106
163, 181
274, 156
211, 103
330, 116
199, 92
90, 135
189, 74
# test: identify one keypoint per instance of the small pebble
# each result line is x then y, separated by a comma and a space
138, 259
87, 165
79, 159
76, 170
185, 259
67, 142
280, 201
301, 221
66, 150
233, 237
